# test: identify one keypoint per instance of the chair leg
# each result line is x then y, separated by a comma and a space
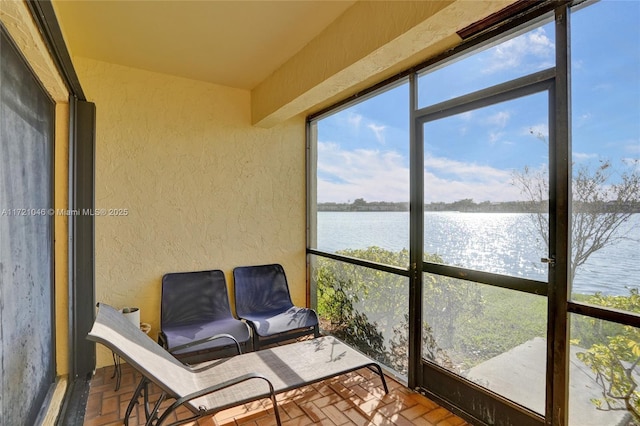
134, 399
275, 410
377, 369
117, 370
154, 412
255, 339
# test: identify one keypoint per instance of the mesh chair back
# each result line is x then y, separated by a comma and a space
261, 289
189, 297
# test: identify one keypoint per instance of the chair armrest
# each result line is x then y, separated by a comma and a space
205, 340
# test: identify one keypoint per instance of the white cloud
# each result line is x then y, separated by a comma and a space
354, 120
378, 131
583, 156
533, 47
583, 119
493, 124
450, 180
462, 169
466, 116
500, 119
438, 189
363, 173
377, 175
495, 137
540, 44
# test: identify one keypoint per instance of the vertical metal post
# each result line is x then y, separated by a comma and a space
312, 208
556, 409
81, 227
416, 234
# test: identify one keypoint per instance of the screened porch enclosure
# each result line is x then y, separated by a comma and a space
472, 218
460, 212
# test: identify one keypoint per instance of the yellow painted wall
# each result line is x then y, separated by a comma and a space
61, 231
202, 187
16, 18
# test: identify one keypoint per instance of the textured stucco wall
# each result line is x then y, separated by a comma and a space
17, 20
203, 188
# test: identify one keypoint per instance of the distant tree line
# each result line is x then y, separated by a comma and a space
360, 205
469, 206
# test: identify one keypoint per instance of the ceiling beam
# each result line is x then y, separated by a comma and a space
366, 43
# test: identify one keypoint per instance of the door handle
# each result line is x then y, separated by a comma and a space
550, 260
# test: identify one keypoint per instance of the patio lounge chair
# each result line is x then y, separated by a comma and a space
263, 301
208, 388
195, 317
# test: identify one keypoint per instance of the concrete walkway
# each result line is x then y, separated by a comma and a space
519, 375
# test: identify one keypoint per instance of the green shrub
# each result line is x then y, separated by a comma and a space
613, 354
348, 295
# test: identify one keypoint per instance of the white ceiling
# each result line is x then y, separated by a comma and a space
232, 43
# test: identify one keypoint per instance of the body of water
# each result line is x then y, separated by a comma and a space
501, 243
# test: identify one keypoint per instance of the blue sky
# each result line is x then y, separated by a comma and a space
363, 151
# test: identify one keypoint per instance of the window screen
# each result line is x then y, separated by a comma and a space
26, 325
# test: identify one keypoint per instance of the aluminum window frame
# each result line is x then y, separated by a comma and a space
557, 82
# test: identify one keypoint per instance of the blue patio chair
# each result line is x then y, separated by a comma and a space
196, 319
263, 301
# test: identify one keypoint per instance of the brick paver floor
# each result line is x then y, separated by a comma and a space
352, 399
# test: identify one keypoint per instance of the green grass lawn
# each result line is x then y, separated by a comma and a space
508, 319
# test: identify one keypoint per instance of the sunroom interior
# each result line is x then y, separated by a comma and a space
454, 186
